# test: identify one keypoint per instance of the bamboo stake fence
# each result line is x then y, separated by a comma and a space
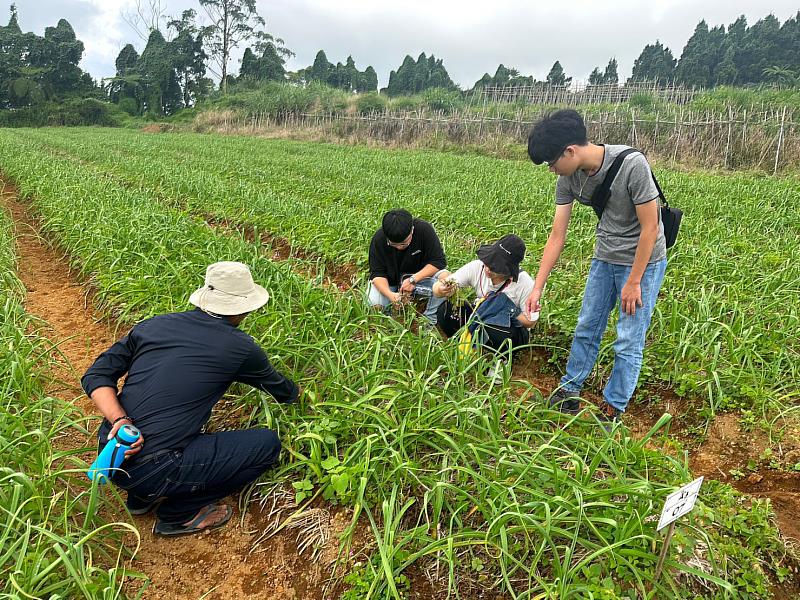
768, 140
585, 93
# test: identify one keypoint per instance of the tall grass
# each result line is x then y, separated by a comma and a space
448, 467
53, 542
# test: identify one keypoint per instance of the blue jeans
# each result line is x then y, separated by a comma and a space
423, 289
602, 294
210, 468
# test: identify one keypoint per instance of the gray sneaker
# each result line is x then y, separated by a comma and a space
565, 401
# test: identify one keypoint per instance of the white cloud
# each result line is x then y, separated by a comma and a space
471, 36
109, 35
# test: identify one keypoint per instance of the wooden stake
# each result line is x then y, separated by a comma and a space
780, 142
662, 557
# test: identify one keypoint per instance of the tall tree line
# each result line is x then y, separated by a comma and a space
766, 52
36, 69
343, 76
415, 76
173, 69
167, 76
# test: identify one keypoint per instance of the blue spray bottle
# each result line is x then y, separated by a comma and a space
113, 453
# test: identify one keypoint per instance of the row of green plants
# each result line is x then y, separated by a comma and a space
53, 541
724, 329
276, 99
449, 468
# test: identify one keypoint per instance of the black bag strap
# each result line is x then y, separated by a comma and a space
497, 292
602, 193
475, 317
661, 195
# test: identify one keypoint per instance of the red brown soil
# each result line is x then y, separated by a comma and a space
214, 565
343, 276
736, 457
727, 451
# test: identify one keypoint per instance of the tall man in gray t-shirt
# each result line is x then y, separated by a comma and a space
629, 255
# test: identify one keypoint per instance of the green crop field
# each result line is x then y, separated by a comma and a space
725, 330
53, 543
444, 466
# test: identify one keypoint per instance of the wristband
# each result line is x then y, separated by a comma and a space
118, 419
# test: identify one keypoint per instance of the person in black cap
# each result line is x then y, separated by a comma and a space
405, 257
501, 290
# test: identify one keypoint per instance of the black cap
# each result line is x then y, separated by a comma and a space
504, 256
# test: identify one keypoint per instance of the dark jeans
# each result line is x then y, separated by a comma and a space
451, 319
210, 468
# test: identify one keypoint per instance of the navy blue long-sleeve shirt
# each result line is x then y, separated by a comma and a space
179, 365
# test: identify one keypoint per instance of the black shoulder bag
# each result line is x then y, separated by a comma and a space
670, 217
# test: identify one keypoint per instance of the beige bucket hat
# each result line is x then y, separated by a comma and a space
229, 290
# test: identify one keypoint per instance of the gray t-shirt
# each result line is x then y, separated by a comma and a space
618, 230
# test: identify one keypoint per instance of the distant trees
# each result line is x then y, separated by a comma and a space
267, 67
343, 76
234, 22
35, 69
189, 57
414, 77
171, 71
655, 63
167, 76
556, 75
503, 76
738, 55
609, 76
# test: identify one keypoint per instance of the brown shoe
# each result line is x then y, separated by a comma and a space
196, 524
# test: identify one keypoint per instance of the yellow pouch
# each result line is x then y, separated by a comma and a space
466, 349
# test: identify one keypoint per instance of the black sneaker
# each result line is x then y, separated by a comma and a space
608, 416
565, 401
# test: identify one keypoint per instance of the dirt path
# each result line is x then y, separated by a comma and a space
216, 565
736, 457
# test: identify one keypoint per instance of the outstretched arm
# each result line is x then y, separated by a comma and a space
257, 371
550, 255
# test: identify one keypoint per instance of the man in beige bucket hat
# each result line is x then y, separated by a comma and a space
178, 366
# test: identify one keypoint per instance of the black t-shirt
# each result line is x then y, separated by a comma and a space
389, 262
179, 365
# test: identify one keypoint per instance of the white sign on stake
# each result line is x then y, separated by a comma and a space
679, 503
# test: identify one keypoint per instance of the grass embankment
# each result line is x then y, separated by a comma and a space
449, 469
53, 542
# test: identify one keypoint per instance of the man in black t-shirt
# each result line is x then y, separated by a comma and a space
405, 257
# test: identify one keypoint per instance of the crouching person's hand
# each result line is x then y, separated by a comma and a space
445, 287
136, 446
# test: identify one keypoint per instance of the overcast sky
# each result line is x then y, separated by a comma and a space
471, 36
